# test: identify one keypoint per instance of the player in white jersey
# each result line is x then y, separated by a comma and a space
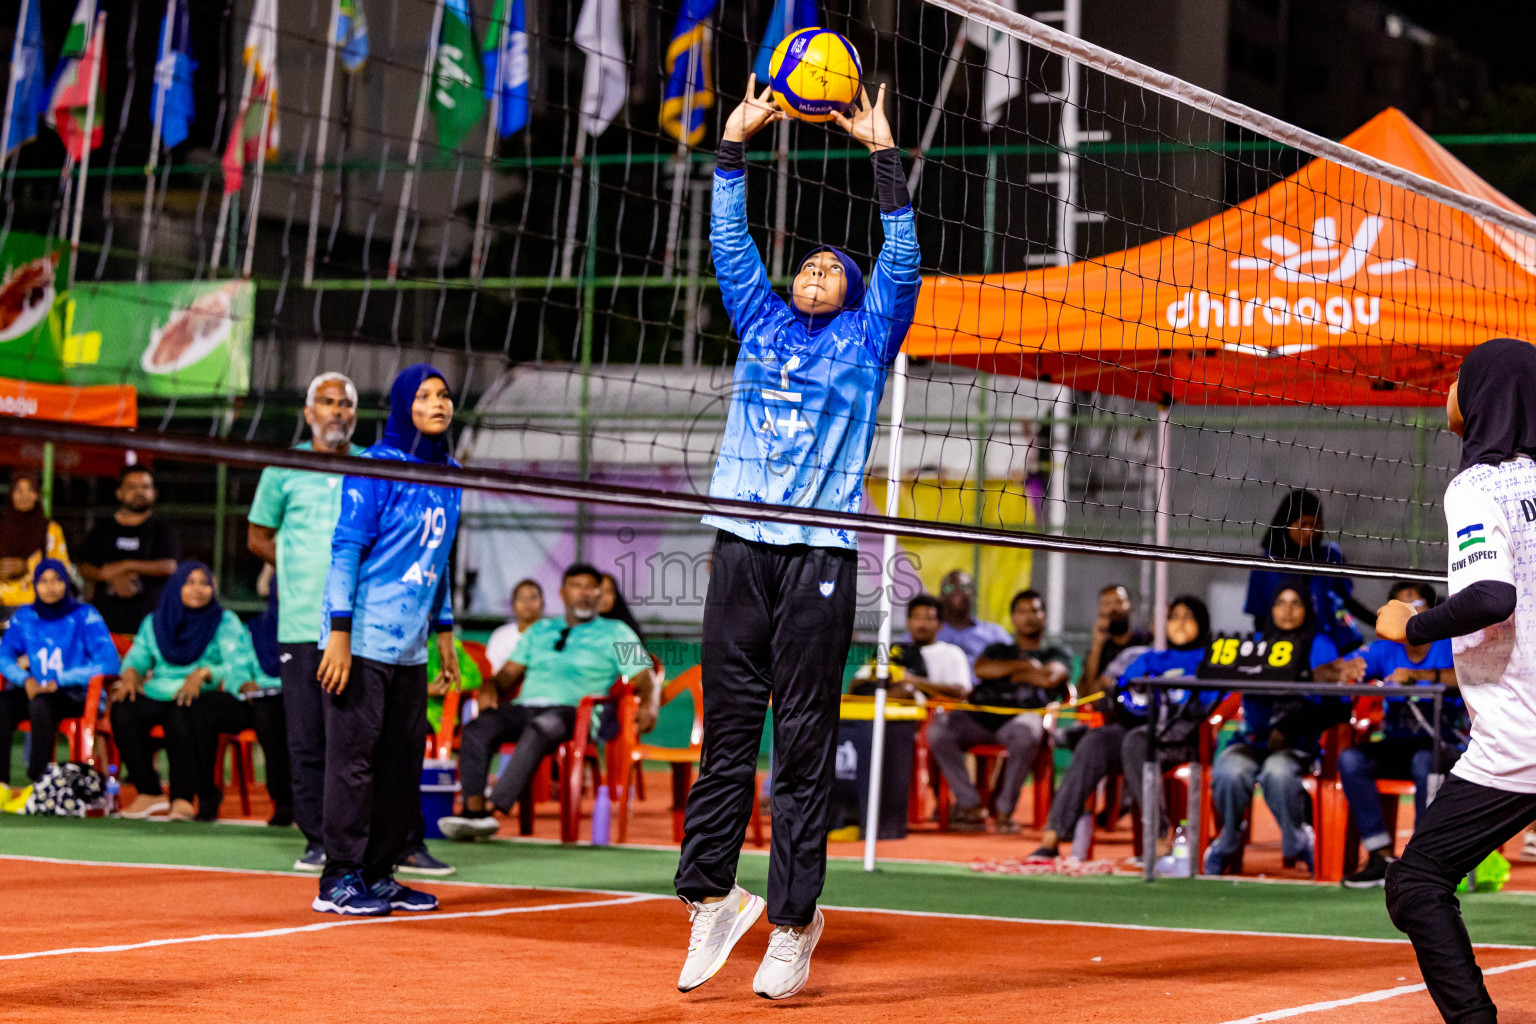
1490, 796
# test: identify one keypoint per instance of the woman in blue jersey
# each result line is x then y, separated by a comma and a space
1279, 737
388, 588
1295, 534
778, 618
48, 655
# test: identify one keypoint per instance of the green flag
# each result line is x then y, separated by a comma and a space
458, 98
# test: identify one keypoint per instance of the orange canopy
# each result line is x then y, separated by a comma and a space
1331, 288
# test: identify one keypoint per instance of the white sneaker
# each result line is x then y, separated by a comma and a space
715, 930
466, 829
1528, 848
787, 965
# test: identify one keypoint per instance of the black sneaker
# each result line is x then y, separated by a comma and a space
401, 897
967, 819
1372, 876
313, 859
420, 862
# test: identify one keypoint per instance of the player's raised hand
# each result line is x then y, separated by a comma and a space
752, 114
868, 123
1392, 621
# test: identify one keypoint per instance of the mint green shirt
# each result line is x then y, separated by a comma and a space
228, 657
303, 507
596, 653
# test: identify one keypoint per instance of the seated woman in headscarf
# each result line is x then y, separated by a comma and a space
27, 536
1296, 534
1279, 737
48, 655
1107, 751
187, 646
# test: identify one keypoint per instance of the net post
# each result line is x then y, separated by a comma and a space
1056, 511
327, 83
1150, 778
414, 152
883, 646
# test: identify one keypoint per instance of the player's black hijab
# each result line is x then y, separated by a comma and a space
1497, 395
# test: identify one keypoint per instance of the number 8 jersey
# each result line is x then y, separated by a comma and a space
388, 581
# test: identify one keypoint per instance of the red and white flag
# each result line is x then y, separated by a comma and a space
82, 70
256, 124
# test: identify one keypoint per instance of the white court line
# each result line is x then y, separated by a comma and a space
270, 933
1365, 997
1001, 919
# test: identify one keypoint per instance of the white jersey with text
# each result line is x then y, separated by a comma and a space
1490, 513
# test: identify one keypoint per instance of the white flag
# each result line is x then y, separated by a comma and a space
1005, 64
605, 86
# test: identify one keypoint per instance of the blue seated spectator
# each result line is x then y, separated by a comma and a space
48, 655
1279, 739
1406, 747
1295, 534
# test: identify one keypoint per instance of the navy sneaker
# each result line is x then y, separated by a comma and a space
313, 859
348, 895
401, 897
420, 862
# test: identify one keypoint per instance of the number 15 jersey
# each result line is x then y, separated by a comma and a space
388, 581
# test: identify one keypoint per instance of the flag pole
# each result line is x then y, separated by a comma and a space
492, 132
327, 83
96, 49
10, 84
154, 140
568, 249
263, 139
237, 126
680, 166
415, 150
951, 64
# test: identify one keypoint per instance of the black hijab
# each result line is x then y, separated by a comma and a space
1278, 542
620, 610
1202, 616
1496, 390
1309, 623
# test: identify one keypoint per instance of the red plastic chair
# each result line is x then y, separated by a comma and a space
988, 757
242, 746
1341, 856
80, 731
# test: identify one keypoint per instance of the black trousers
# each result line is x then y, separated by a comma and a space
1465, 824
778, 621
305, 713
375, 734
217, 712
535, 730
45, 712
1096, 757
131, 722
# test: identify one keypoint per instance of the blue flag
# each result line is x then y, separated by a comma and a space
689, 79
173, 75
802, 14
352, 34
27, 92
514, 60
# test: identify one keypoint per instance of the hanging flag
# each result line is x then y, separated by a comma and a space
1005, 65
351, 36
511, 62
257, 123
458, 98
689, 88
801, 14
24, 96
80, 62
173, 75
605, 84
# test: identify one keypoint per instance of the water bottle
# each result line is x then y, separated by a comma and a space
601, 813
1177, 864
112, 791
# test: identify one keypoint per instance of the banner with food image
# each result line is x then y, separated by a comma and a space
163, 338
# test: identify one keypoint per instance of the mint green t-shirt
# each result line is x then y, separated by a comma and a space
595, 654
229, 657
303, 507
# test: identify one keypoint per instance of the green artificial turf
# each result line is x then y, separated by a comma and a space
941, 888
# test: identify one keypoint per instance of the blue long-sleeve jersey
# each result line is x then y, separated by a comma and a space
67, 650
389, 581
803, 405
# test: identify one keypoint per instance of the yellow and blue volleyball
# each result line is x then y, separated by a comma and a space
815, 72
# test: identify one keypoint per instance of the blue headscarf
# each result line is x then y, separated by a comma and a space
64, 605
853, 294
183, 633
399, 430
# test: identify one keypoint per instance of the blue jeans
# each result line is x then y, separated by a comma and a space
1233, 776
1392, 758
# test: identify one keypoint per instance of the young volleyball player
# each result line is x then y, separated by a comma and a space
778, 617
388, 588
1490, 796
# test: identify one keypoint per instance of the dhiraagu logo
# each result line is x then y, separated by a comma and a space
1470, 535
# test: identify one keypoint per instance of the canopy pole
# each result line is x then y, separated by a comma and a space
1160, 527
1056, 511
883, 647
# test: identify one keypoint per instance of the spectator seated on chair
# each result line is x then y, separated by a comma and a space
48, 655
27, 536
921, 664
251, 697
957, 595
1406, 749
558, 662
1279, 740
1108, 750
186, 647
527, 608
1113, 635
1020, 674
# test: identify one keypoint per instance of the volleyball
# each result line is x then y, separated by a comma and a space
815, 72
